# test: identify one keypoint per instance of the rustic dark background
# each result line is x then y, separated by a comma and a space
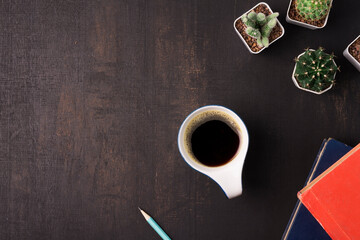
92, 94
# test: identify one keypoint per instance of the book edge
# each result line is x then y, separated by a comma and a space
317, 160
309, 178
321, 213
318, 178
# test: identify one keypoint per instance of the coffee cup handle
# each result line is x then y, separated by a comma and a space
229, 180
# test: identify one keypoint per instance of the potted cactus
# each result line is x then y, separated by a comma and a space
258, 28
315, 71
352, 53
311, 14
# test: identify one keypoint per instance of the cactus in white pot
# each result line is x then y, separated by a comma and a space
313, 9
315, 70
260, 26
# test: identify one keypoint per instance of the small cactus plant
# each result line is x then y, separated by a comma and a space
315, 70
312, 9
259, 26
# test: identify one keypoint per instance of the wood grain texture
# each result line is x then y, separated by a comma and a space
92, 94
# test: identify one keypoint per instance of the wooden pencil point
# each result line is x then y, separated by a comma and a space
146, 216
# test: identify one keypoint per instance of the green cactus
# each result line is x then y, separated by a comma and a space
313, 9
259, 26
315, 70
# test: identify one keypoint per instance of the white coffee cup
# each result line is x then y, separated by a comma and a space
228, 175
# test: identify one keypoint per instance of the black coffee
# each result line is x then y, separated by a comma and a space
214, 143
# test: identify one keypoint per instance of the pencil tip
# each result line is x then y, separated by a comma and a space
146, 216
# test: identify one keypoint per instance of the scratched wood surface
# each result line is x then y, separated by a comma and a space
92, 94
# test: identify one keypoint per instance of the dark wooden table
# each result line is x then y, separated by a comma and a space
92, 94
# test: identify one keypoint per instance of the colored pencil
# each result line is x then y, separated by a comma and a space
154, 225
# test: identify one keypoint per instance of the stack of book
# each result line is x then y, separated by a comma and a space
329, 204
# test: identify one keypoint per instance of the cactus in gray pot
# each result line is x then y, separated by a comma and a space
313, 9
259, 26
315, 70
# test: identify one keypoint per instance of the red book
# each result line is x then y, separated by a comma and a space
333, 198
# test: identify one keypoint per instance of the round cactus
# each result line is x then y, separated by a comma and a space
313, 9
315, 70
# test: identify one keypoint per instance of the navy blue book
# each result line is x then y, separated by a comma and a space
302, 225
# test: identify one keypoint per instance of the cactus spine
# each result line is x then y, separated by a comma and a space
259, 26
313, 9
315, 70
